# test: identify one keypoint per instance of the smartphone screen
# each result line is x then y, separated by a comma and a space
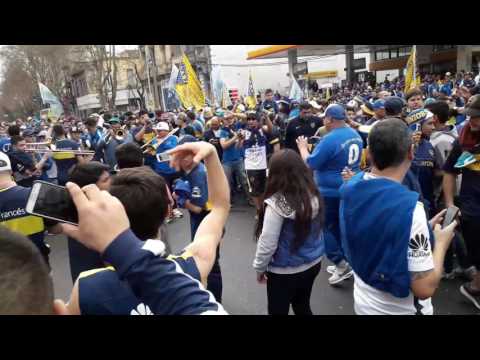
451, 214
163, 157
52, 202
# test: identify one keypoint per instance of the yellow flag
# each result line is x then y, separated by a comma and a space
188, 86
410, 76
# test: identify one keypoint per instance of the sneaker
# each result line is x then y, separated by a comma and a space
470, 273
464, 160
340, 274
473, 296
177, 214
331, 269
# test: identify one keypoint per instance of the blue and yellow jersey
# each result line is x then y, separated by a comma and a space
101, 292
13, 215
197, 178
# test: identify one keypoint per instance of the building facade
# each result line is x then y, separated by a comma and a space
130, 93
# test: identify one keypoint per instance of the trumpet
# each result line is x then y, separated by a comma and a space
57, 151
120, 135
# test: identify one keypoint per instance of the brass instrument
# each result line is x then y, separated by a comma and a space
151, 147
57, 151
120, 135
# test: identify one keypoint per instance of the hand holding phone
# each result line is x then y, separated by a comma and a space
451, 215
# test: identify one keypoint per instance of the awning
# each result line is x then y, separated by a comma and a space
281, 51
269, 50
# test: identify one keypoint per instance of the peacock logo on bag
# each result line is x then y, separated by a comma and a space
418, 246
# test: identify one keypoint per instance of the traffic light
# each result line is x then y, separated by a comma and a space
233, 94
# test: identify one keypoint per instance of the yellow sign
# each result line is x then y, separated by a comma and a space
322, 74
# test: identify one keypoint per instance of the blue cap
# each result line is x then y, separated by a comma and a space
379, 104
394, 104
429, 101
187, 139
418, 116
336, 112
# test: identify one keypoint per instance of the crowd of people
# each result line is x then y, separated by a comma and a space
362, 177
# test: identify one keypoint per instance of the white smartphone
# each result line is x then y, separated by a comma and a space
53, 202
163, 157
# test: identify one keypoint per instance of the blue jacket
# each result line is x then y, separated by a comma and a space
310, 250
384, 208
423, 166
164, 167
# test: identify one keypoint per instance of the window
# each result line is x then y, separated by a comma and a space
443, 47
130, 77
404, 51
393, 53
382, 55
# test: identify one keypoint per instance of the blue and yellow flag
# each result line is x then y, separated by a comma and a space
188, 87
251, 100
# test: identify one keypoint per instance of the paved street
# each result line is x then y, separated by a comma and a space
241, 293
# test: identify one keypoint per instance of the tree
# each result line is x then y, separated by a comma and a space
105, 72
135, 83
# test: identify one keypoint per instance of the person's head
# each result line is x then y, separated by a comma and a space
128, 155
306, 110
473, 110
93, 172
13, 130
91, 125
162, 129
393, 106
350, 113
215, 124
58, 131
252, 120
414, 99
440, 110
143, 116
18, 143
269, 94
390, 145
379, 108
26, 287
292, 178
182, 120
191, 116
468, 76
335, 116
143, 193
75, 133
5, 167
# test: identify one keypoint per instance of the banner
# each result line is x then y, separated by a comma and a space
56, 107
251, 101
296, 92
411, 72
188, 87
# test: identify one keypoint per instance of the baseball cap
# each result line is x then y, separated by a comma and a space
473, 107
114, 120
418, 117
336, 112
379, 104
367, 108
43, 133
187, 139
394, 105
5, 164
162, 126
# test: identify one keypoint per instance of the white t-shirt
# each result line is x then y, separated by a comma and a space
371, 301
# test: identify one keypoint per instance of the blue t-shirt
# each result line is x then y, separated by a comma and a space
233, 153
5, 145
164, 167
65, 160
340, 148
198, 182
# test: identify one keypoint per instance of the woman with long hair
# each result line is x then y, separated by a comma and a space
289, 233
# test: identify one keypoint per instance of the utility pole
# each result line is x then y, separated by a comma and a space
155, 84
147, 69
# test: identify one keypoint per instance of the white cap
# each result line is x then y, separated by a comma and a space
448, 73
42, 133
162, 126
5, 164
